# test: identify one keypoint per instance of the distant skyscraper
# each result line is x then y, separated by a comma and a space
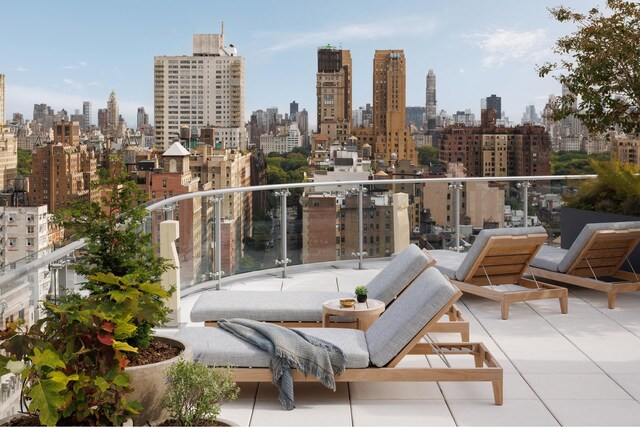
206, 89
302, 118
113, 116
492, 102
103, 120
2, 102
86, 112
143, 118
43, 114
392, 137
293, 110
530, 115
415, 116
431, 106
333, 93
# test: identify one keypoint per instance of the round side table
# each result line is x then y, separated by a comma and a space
366, 313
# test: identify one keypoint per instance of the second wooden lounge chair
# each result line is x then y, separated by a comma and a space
593, 260
304, 308
500, 256
371, 356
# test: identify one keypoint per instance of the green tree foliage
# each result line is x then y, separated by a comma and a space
600, 65
116, 243
575, 162
24, 162
616, 190
427, 155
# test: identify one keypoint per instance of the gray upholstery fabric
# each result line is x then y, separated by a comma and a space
586, 234
548, 258
216, 347
397, 275
448, 261
276, 306
483, 238
400, 323
262, 305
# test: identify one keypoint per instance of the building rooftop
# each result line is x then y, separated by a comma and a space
580, 368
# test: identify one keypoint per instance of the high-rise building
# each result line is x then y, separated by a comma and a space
302, 118
65, 174
431, 105
389, 107
8, 157
142, 118
103, 120
530, 115
293, 110
415, 116
86, 112
43, 115
66, 133
113, 116
333, 93
205, 89
492, 102
2, 101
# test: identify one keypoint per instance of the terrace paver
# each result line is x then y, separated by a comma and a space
580, 368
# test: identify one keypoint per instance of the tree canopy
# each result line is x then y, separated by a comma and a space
600, 67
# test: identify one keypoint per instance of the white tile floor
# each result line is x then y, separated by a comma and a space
581, 368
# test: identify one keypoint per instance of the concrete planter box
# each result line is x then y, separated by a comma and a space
148, 382
572, 221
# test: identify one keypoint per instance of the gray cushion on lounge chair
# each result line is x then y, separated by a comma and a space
217, 347
401, 270
586, 234
400, 323
262, 305
481, 241
549, 257
448, 261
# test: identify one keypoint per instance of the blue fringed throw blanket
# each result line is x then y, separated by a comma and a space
288, 349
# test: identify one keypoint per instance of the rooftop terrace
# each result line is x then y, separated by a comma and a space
580, 368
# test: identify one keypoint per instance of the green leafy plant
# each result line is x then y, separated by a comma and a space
195, 392
361, 290
113, 228
616, 190
72, 361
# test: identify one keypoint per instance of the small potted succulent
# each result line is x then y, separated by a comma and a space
361, 293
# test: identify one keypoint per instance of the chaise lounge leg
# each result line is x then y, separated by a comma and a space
505, 309
564, 304
497, 391
612, 295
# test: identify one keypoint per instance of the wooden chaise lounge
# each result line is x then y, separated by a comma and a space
372, 355
500, 257
594, 259
304, 308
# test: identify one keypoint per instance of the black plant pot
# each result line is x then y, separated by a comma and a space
362, 298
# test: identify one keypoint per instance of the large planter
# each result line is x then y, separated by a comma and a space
572, 221
149, 383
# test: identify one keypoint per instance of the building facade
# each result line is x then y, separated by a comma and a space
86, 114
333, 93
113, 116
2, 99
8, 158
205, 89
431, 104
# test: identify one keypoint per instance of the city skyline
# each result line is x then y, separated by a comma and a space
475, 50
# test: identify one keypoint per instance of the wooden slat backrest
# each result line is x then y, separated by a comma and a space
605, 252
504, 259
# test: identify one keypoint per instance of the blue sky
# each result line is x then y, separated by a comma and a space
64, 52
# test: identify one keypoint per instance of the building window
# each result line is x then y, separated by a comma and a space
164, 183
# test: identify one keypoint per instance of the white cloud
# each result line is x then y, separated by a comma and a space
79, 64
461, 71
74, 84
20, 69
504, 45
410, 26
82, 63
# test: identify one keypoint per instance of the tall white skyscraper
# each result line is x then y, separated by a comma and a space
2, 102
113, 116
206, 89
431, 106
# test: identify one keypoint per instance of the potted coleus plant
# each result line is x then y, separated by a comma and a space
195, 392
73, 360
361, 293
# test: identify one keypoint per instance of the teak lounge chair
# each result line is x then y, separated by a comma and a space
372, 355
304, 308
500, 257
593, 260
